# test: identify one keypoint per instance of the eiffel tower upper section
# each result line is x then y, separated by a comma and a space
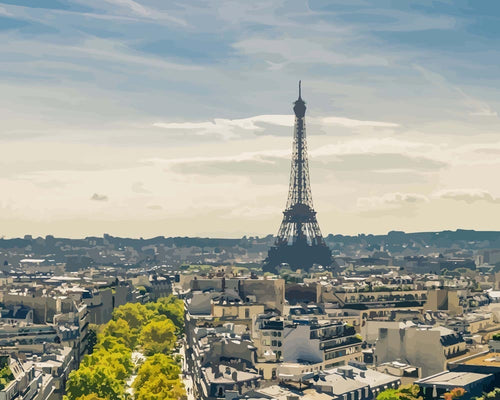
299, 242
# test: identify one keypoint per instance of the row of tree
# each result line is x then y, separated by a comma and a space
152, 329
412, 392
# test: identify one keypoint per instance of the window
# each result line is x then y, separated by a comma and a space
247, 313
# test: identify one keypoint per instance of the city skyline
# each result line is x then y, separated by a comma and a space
140, 118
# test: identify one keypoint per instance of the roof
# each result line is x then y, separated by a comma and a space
281, 393
16, 312
372, 377
453, 379
340, 384
491, 359
224, 377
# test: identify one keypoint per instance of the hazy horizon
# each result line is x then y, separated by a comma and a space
142, 118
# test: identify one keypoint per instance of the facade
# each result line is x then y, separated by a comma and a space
224, 381
443, 300
474, 384
354, 381
428, 347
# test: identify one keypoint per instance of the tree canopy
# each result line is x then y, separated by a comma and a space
158, 337
410, 392
151, 328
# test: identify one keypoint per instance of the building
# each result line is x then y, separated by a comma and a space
487, 362
425, 346
354, 381
443, 300
223, 381
474, 384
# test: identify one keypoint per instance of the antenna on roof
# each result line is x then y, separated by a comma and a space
300, 89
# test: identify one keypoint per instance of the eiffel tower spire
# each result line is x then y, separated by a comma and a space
299, 242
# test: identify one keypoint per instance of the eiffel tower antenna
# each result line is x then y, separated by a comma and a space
299, 242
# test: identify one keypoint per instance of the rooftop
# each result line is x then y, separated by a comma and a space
453, 379
488, 359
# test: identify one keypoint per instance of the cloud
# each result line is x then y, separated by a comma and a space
138, 187
229, 128
399, 200
355, 123
146, 12
372, 145
469, 195
476, 106
259, 156
110, 51
381, 163
303, 51
391, 200
99, 197
3, 11
263, 125
261, 166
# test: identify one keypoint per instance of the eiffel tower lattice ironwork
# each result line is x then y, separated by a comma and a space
299, 242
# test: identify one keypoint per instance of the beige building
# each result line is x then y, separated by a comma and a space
443, 300
427, 347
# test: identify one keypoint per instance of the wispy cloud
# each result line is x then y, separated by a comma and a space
355, 123
391, 200
289, 50
99, 197
228, 128
475, 106
107, 50
469, 195
146, 12
4, 12
397, 200
138, 187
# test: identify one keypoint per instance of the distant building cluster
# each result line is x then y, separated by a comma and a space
46, 316
346, 336
372, 321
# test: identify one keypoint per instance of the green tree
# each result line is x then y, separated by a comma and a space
6, 376
92, 338
160, 387
118, 359
158, 337
172, 308
156, 365
110, 343
493, 395
410, 392
135, 314
120, 330
91, 396
98, 380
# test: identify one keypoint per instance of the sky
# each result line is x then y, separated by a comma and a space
155, 117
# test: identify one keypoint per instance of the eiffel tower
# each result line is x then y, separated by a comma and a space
299, 242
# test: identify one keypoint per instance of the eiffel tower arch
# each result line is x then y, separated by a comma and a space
299, 242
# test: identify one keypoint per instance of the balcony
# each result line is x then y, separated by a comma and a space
346, 342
